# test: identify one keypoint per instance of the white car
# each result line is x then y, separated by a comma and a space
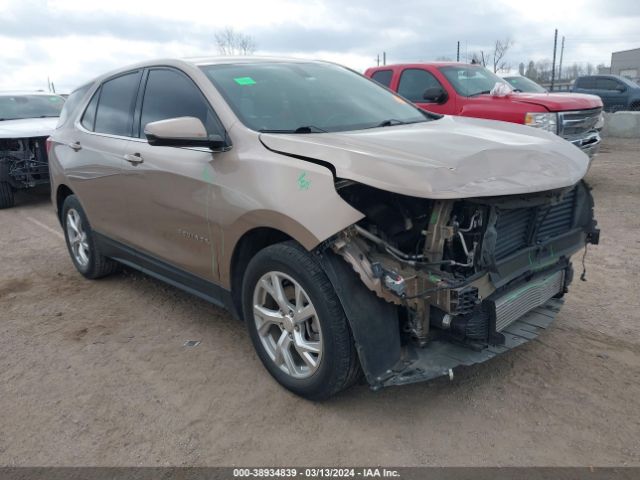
26, 120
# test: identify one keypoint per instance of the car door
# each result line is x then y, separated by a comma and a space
96, 146
613, 93
414, 82
166, 188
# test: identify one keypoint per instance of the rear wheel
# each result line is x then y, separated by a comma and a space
81, 243
297, 324
6, 195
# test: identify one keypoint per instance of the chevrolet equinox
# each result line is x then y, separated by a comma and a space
355, 234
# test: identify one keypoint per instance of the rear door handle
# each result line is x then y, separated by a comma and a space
75, 146
133, 158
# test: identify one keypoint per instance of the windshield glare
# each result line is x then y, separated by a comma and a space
13, 107
469, 80
523, 84
284, 97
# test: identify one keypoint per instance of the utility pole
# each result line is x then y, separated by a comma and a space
458, 54
384, 58
561, 55
553, 67
378, 60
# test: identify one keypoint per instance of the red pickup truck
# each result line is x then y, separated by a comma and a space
463, 89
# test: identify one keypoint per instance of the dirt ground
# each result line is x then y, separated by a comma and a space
96, 372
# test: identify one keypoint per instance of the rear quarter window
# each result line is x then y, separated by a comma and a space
383, 77
71, 104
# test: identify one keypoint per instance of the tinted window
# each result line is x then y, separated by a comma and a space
170, 94
414, 82
607, 84
588, 83
71, 104
114, 113
89, 117
297, 96
383, 77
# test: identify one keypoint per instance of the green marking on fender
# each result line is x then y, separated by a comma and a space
206, 174
303, 182
244, 81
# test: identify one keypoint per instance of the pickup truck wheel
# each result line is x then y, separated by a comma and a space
297, 324
83, 249
6, 195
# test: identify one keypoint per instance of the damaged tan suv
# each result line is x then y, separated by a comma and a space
353, 232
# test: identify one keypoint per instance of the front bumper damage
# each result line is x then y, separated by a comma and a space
421, 323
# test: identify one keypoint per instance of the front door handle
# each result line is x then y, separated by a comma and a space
75, 146
133, 158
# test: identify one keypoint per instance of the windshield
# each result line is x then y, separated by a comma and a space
523, 84
469, 80
308, 98
13, 107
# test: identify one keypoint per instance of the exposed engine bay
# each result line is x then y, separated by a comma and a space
465, 270
23, 162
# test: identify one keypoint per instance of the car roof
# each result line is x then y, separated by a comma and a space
430, 64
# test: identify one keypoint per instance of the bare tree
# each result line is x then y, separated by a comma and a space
231, 42
499, 52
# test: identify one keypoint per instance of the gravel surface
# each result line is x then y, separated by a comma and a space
96, 372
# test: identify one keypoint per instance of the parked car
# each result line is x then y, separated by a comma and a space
523, 84
463, 89
351, 230
617, 93
26, 120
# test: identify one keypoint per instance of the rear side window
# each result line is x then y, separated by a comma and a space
171, 94
89, 117
383, 77
115, 108
588, 83
71, 104
413, 83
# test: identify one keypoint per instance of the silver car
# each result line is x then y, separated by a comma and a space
354, 233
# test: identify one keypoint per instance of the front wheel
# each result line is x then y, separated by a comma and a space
297, 324
6, 195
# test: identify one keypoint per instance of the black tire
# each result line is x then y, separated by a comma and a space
6, 195
339, 367
98, 265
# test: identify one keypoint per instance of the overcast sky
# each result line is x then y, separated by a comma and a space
72, 41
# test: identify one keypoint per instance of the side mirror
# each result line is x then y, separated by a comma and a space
182, 132
435, 95
621, 89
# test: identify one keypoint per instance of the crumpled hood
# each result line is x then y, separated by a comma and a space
27, 127
453, 157
558, 102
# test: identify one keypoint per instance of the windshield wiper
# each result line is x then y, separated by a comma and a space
484, 92
390, 123
303, 129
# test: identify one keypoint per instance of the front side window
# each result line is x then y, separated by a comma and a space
115, 107
307, 97
608, 84
469, 81
170, 94
414, 82
588, 83
383, 77
15, 107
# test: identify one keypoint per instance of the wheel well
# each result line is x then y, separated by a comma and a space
249, 244
61, 195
